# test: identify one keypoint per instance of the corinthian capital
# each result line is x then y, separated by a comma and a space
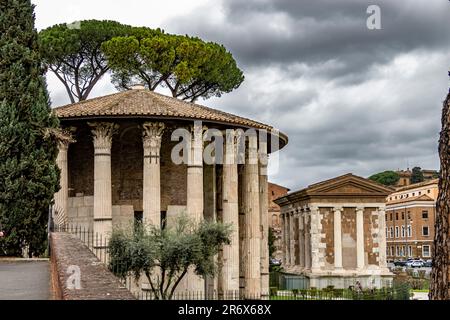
102, 133
152, 134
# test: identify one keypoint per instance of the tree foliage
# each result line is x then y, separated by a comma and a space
73, 53
188, 66
387, 178
164, 256
29, 176
417, 175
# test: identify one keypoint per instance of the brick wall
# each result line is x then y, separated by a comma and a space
97, 283
126, 167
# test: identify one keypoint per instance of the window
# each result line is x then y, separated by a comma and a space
409, 231
403, 231
396, 216
387, 232
390, 216
420, 192
403, 252
426, 251
424, 214
410, 251
425, 231
428, 191
392, 232
392, 250
413, 194
397, 232
403, 216
397, 251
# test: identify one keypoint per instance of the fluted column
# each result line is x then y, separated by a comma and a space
382, 237
195, 175
338, 238
301, 238
264, 217
60, 216
292, 237
360, 259
102, 137
307, 216
287, 238
194, 201
151, 136
252, 221
316, 239
283, 238
229, 281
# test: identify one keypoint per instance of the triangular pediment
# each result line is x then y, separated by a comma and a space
348, 185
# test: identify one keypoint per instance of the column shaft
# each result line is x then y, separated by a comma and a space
252, 267
307, 240
102, 134
229, 282
151, 198
301, 239
382, 238
292, 237
337, 238
194, 201
62, 196
360, 256
264, 216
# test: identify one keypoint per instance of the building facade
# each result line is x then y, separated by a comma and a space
410, 218
276, 191
333, 233
123, 162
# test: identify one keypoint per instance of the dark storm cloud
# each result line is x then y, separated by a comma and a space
282, 31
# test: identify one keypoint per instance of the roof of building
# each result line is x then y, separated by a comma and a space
143, 103
347, 185
418, 185
279, 186
423, 197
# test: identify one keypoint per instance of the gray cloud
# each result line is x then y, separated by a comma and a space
350, 99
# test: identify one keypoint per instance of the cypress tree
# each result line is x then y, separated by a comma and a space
29, 176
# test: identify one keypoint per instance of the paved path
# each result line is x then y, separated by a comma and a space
23, 280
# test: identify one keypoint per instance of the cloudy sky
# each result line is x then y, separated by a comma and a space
350, 99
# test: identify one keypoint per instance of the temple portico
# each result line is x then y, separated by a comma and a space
335, 232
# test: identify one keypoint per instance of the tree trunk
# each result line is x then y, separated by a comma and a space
440, 277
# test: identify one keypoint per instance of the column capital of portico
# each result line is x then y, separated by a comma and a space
360, 209
152, 133
102, 133
65, 137
338, 209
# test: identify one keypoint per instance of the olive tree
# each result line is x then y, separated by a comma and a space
164, 256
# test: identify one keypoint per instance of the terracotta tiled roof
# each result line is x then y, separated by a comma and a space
146, 103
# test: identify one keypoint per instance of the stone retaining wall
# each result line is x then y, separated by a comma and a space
97, 282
